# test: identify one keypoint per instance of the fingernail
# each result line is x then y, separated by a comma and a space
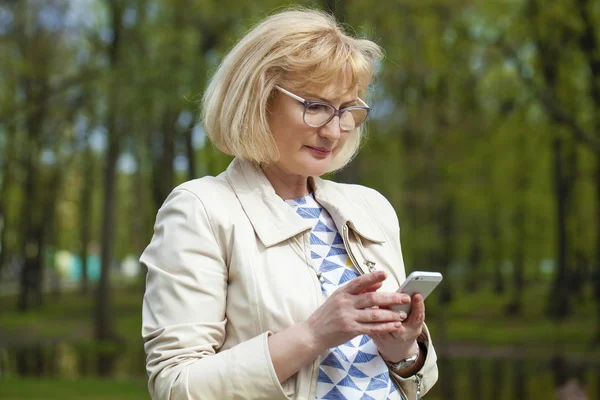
402, 315
397, 324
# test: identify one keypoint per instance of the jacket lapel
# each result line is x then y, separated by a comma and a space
274, 221
351, 211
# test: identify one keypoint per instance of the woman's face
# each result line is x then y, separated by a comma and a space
304, 150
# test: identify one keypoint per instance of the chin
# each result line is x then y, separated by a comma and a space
317, 168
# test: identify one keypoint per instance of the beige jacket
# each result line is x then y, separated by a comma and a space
230, 263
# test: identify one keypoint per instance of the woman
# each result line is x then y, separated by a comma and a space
266, 281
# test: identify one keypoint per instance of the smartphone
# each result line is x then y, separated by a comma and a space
421, 282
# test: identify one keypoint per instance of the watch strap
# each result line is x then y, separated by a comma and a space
406, 362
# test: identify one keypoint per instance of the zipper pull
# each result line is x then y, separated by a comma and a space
320, 277
418, 382
370, 265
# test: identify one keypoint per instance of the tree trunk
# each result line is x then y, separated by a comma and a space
474, 264
30, 217
5, 182
191, 154
447, 379
31, 270
515, 306
476, 378
597, 272
446, 221
162, 166
497, 381
168, 160
549, 53
37, 91
47, 226
518, 277
499, 285
85, 216
519, 383
141, 236
103, 316
588, 42
575, 254
558, 304
104, 321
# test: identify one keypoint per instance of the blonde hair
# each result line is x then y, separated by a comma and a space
296, 49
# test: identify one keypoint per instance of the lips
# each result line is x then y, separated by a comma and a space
321, 149
319, 152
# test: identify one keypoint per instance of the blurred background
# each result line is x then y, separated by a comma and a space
485, 136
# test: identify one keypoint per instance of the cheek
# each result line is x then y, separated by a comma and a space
342, 141
287, 128
289, 137
292, 134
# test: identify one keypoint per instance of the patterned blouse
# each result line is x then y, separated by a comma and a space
353, 370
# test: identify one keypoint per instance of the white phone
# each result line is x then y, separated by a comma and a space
421, 282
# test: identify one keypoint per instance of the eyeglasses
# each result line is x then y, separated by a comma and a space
319, 113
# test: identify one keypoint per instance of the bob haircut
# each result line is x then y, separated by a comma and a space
297, 49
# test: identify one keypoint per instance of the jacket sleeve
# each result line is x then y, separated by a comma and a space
184, 319
428, 375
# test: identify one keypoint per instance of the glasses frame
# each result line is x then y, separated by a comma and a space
336, 112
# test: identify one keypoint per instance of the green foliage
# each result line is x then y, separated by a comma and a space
460, 140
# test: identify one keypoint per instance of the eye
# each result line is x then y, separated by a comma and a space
318, 108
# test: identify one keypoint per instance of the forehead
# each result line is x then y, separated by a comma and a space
337, 89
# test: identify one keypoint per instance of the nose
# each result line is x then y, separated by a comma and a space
331, 130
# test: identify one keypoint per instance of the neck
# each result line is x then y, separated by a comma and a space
287, 186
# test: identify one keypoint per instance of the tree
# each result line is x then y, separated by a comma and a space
103, 319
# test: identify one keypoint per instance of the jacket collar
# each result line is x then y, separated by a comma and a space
274, 221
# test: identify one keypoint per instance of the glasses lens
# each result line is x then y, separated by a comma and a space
317, 115
352, 118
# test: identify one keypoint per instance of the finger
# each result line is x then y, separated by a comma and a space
379, 329
377, 315
359, 284
380, 299
402, 314
417, 312
373, 288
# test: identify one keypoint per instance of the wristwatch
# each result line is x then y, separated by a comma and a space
405, 363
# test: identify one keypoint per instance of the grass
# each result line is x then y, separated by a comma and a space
64, 389
70, 318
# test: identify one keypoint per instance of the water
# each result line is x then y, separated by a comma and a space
493, 375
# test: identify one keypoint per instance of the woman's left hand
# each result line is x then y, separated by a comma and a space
402, 343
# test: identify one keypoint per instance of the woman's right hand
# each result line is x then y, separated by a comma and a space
353, 310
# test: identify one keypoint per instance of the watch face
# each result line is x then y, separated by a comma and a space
407, 362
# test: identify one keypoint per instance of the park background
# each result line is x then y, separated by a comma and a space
485, 136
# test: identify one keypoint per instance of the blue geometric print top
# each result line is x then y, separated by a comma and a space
354, 370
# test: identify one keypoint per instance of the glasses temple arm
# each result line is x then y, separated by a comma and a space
292, 95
